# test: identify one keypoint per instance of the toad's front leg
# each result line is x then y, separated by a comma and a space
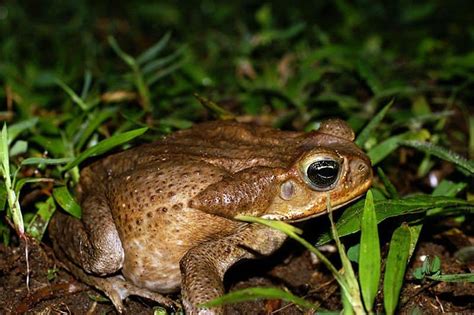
204, 266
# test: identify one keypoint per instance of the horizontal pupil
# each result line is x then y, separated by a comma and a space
323, 173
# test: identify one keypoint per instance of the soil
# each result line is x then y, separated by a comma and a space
51, 290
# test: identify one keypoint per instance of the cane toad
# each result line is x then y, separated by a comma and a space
160, 217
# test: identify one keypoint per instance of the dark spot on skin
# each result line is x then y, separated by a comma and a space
163, 209
171, 194
138, 221
149, 214
177, 206
153, 198
158, 190
170, 185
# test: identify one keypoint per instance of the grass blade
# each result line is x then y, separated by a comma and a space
45, 161
105, 146
397, 260
154, 50
460, 277
64, 198
12, 197
443, 153
260, 293
74, 97
367, 131
369, 256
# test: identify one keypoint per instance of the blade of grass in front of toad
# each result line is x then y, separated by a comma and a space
369, 254
260, 293
12, 198
397, 261
351, 289
105, 145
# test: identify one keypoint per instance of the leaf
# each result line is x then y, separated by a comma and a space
64, 198
397, 261
369, 257
39, 223
384, 148
129, 60
349, 222
249, 294
3, 196
19, 147
74, 97
448, 188
460, 277
443, 153
392, 191
154, 50
15, 129
105, 146
92, 125
367, 131
45, 161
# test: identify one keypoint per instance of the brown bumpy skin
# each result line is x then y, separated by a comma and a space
160, 217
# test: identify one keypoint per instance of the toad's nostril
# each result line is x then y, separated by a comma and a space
360, 169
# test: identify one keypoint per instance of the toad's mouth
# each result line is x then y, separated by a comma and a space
309, 214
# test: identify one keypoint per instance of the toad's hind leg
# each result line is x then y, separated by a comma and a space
204, 266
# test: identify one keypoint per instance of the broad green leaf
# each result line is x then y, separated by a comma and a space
443, 153
383, 149
105, 146
367, 131
448, 188
19, 147
14, 130
55, 146
259, 293
349, 222
64, 198
369, 256
39, 223
154, 50
397, 261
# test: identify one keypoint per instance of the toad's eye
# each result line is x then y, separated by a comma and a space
323, 174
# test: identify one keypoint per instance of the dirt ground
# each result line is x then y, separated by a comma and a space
53, 291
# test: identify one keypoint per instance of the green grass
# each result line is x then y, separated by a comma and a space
84, 79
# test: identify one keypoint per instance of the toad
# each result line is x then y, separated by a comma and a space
161, 216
